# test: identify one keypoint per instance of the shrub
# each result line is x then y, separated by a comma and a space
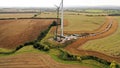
113, 64
46, 48
66, 56
95, 58
36, 45
19, 47
79, 58
117, 66
54, 23
29, 43
41, 46
63, 55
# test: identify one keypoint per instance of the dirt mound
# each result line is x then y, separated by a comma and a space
30, 60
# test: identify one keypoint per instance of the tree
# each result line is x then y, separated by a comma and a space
36, 45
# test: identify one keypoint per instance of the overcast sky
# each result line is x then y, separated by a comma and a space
51, 3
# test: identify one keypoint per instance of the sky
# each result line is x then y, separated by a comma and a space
51, 3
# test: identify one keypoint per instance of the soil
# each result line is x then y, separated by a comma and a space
33, 60
16, 32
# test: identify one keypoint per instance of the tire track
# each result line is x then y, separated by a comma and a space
33, 60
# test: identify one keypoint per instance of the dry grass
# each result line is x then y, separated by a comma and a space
77, 22
17, 15
109, 45
83, 23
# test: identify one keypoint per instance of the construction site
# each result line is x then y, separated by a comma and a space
59, 37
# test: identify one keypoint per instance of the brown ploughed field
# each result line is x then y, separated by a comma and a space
33, 60
16, 32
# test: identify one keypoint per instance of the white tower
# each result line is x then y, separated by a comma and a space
62, 18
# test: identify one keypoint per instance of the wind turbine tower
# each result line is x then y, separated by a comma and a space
62, 18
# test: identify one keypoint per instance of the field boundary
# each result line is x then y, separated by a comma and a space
25, 18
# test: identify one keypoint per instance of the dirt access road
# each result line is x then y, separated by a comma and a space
75, 48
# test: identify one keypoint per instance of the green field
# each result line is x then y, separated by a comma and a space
94, 11
109, 45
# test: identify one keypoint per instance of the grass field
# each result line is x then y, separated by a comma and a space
109, 45
95, 11
83, 23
